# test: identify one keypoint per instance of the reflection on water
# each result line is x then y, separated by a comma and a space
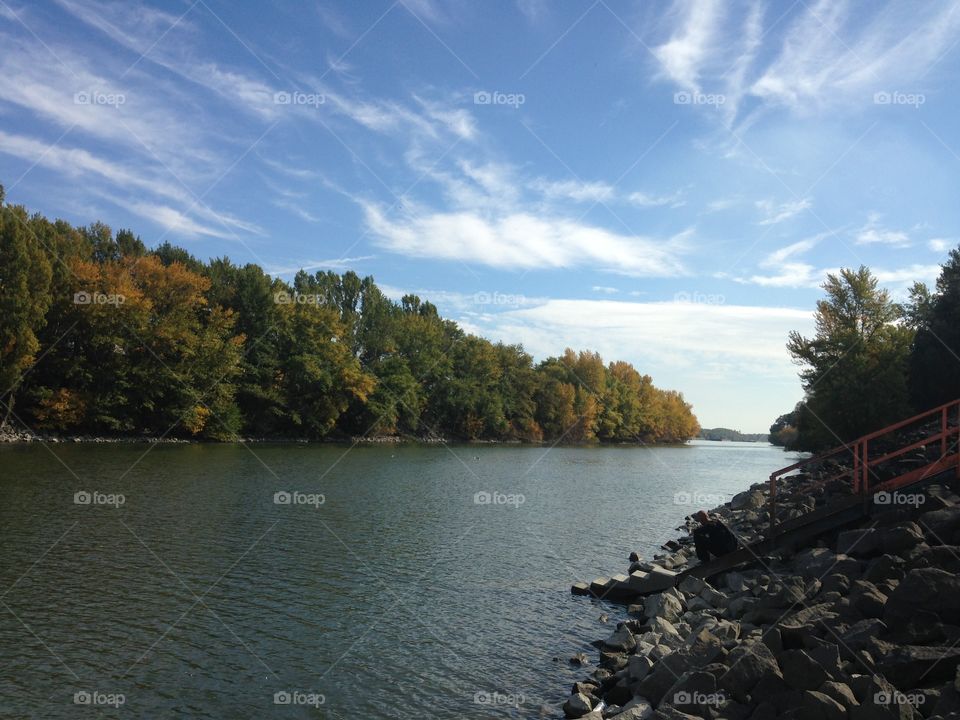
379, 586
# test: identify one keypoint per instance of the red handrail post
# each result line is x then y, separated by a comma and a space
856, 468
865, 467
943, 429
773, 505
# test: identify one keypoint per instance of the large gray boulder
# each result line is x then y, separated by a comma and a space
577, 706
696, 652
621, 640
867, 599
816, 563
748, 500
693, 692
839, 692
879, 700
703, 648
885, 567
901, 538
818, 705
663, 605
930, 589
907, 665
637, 709
861, 542
801, 671
788, 592
822, 613
747, 664
940, 526
667, 632
638, 667
945, 557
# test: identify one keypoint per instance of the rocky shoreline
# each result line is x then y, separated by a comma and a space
863, 624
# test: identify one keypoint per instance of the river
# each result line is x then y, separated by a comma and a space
233, 581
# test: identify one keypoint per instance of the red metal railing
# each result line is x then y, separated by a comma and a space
853, 463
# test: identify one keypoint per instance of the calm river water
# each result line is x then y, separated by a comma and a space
387, 582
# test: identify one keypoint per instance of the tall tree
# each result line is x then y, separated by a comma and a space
854, 368
25, 276
935, 360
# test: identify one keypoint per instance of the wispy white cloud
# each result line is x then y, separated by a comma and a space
825, 54
874, 233
941, 244
691, 43
518, 240
722, 204
533, 10
80, 163
171, 219
909, 274
596, 191
297, 210
339, 264
775, 213
787, 268
800, 247
638, 328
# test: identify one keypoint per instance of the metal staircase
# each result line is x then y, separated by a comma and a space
852, 481
840, 486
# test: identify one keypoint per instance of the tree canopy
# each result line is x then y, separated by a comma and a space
872, 361
101, 335
854, 368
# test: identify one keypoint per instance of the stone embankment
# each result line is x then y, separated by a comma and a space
865, 624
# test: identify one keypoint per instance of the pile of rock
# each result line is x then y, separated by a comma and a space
746, 515
10, 434
866, 625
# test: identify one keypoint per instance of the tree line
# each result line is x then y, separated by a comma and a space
101, 335
873, 361
729, 434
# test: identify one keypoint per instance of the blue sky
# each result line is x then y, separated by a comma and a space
667, 183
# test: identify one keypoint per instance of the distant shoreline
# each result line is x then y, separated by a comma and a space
12, 437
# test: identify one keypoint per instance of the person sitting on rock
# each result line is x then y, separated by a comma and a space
712, 537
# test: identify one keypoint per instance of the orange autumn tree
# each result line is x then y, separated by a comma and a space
156, 357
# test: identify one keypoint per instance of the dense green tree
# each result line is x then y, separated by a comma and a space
25, 276
783, 431
155, 341
854, 368
935, 360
